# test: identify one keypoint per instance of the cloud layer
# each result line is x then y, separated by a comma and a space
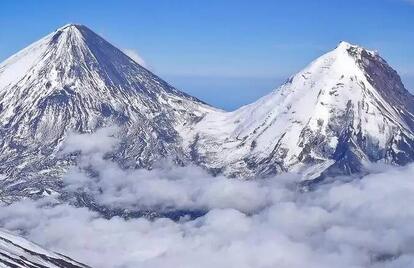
257, 224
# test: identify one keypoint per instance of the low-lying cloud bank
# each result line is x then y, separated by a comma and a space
262, 223
166, 187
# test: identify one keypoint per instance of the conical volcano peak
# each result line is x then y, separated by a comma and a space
354, 50
73, 53
75, 57
345, 109
71, 25
344, 44
346, 60
67, 34
75, 80
75, 27
74, 34
341, 61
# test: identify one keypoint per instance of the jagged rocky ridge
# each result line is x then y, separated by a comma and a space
17, 252
345, 110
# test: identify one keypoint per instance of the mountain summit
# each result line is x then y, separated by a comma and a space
73, 80
345, 110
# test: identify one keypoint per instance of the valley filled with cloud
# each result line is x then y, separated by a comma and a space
272, 222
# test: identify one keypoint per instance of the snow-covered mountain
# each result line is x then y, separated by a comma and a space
345, 110
16, 252
73, 80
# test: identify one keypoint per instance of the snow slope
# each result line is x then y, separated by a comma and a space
344, 110
17, 252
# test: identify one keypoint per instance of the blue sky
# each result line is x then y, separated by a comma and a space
227, 53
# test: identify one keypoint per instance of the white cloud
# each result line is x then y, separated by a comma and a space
166, 188
249, 224
101, 141
133, 54
365, 223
